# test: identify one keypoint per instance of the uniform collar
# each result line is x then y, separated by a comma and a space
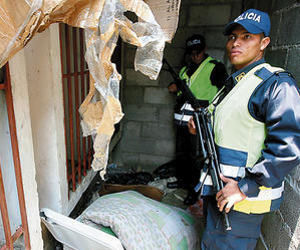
238, 75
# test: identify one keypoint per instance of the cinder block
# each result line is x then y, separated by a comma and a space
279, 4
166, 114
293, 63
272, 229
250, 4
165, 78
158, 96
130, 160
290, 209
132, 129
138, 79
276, 57
133, 95
209, 15
141, 113
275, 25
280, 228
151, 162
265, 6
215, 38
158, 130
165, 147
138, 145
289, 27
237, 9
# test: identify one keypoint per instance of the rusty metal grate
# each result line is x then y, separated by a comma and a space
23, 228
75, 87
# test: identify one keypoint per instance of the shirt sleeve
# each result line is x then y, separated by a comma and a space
218, 75
278, 106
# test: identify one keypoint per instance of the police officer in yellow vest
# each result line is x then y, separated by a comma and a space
257, 134
205, 76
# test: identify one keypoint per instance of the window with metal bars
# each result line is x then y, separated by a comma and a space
75, 76
75, 80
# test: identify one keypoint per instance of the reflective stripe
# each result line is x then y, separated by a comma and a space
182, 117
268, 194
208, 180
187, 106
232, 171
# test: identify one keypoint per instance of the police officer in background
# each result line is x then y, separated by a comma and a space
205, 76
257, 134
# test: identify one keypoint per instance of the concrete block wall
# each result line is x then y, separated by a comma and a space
281, 229
148, 135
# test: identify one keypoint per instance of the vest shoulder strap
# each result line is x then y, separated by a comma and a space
265, 74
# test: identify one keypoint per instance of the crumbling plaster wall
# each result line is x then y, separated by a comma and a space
148, 135
281, 229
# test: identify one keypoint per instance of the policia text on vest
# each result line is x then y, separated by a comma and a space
208, 152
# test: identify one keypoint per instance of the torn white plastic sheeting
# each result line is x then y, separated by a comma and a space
104, 21
145, 34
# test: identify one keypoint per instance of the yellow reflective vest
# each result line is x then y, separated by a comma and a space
200, 85
240, 138
199, 82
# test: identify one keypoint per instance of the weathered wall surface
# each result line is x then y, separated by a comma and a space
20, 93
281, 229
148, 135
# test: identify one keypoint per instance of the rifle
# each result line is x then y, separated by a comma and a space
202, 119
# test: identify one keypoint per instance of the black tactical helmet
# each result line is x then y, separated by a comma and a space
195, 42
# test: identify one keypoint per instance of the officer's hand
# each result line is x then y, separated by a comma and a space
191, 126
229, 195
172, 88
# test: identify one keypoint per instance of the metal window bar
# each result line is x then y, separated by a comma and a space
75, 87
23, 229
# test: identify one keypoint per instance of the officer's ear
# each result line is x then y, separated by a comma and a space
264, 43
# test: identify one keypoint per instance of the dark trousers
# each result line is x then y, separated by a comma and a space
243, 236
186, 154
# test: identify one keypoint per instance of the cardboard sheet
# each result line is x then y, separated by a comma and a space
104, 21
167, 14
